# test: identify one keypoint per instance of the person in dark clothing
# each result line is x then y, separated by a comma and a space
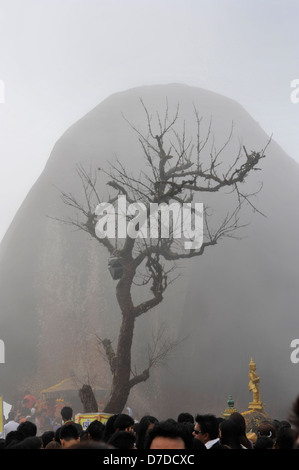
206, 430
67, 418
122, 440
264, 442
109, 427
145, 424
69, 435
124, 422
27, 428
95, 431
241, 423
230, 435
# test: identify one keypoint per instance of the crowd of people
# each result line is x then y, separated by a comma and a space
121, 431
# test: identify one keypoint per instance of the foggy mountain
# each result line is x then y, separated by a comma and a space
239, 300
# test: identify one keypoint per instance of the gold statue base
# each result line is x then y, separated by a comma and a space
258, 406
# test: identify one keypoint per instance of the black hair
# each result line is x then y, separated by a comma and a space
109, 430
96, 430
286, 438
47, 437
122, 422
189, 428
13, 437
171, 429
68, 431
264, 442
230, 435
32, 442
208, 424
28, 428
142, 429
66, 413
239, 419
122, 440
185, 418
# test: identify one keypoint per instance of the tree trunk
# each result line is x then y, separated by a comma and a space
88, 399
120, 388
120, 383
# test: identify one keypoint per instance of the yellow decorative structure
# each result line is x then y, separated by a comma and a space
254, 387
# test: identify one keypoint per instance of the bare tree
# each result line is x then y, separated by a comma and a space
177, 168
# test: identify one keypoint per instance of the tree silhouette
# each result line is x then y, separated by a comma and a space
176, 168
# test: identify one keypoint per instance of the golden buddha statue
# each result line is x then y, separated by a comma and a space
254, 387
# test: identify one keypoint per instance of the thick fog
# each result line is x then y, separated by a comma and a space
59, 59
236, 301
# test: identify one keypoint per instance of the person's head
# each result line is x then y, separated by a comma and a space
286, 438
13, 437
189, 428
264, 442
95, 430
168, 434
185, 418
284, 423
206, 428
220, 420
124, 422
229, 434
145, 424
32, 442
68, 435
53, 445
109, 427
47, 437
122, 440
27, 428
267, 429
239, 420
66, 413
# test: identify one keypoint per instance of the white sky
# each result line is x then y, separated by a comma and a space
60, 58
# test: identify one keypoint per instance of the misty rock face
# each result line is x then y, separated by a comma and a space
239, 300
